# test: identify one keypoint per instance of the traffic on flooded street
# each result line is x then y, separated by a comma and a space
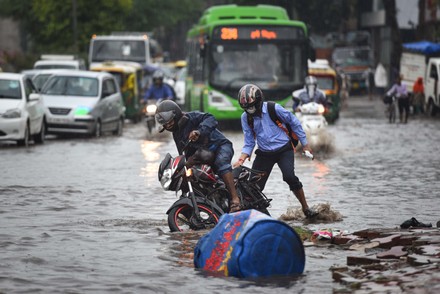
89, 214
219, 146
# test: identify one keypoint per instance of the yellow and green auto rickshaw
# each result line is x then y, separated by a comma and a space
328, 83
129, 76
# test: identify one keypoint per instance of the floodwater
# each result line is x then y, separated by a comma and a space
88, 215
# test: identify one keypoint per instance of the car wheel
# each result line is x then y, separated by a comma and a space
40, 137
119, 128
98, 129
25, 140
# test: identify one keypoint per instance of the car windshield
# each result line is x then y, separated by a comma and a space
55, 66
40, 79
267, 64
71, 86
10, 89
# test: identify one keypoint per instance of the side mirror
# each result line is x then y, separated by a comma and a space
105, 94
34, 97
312, 52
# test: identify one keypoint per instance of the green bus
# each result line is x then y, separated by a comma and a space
234, 45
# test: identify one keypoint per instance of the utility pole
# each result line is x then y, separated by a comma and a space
75, 27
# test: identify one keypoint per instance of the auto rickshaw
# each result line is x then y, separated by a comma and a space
328, 83
129, 75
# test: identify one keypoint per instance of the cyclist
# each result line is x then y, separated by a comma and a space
400, 92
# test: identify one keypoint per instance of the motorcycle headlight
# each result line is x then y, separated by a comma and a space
12, 113
321, 109
165, 181
151, 109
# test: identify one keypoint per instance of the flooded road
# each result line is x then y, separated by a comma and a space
88, 215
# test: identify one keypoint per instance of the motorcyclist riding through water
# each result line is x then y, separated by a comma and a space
159, 89
310, 93
201, 129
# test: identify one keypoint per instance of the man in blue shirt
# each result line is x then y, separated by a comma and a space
274, 145
310, 93
159, 89
201, 129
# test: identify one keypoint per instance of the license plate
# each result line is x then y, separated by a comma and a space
60, 120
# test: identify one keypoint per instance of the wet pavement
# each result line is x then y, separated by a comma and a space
88, 215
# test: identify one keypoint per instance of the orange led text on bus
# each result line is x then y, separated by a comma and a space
229, 34
263, 34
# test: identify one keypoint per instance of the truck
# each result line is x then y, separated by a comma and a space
353, 61
422, 59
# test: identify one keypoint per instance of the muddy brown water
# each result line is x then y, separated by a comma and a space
88, 215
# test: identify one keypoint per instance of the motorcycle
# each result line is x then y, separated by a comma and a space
311, 116
149, 112
204, 197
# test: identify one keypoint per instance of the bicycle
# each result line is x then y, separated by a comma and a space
391, 111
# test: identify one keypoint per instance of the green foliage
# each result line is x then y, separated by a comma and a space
147, 15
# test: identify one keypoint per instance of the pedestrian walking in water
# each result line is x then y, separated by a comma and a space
418, 96
274, 145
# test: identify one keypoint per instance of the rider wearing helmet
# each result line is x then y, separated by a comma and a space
310, 93
274, 145
201, 129
159, 89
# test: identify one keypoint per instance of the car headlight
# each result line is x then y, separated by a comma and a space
151, 109
12, 113
82, 110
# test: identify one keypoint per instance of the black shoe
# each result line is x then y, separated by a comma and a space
310, 213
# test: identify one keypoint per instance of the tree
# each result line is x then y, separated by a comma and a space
48, 24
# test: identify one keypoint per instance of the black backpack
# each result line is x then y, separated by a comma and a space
274, 117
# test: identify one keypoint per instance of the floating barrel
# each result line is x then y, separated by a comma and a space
250, 244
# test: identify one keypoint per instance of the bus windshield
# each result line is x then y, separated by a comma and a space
269, 65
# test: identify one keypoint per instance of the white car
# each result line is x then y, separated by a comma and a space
83, 102
179, 86
21, 110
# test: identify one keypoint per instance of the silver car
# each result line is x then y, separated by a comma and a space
83, 102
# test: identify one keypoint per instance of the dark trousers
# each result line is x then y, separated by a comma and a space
284, 157
403, 104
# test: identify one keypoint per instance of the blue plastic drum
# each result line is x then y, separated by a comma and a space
250, 244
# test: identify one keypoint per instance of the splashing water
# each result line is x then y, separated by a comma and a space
325, 214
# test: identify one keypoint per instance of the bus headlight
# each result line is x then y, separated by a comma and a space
217, 99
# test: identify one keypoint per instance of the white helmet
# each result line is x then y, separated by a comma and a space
311, 85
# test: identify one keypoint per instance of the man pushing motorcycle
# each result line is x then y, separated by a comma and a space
274, 140
201, 129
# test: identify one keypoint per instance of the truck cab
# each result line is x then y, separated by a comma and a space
432, 86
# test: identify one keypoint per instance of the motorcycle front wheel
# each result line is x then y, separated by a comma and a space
182, 218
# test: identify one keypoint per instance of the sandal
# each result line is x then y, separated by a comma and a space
234, 207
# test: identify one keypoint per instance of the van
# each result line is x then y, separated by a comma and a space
60, 62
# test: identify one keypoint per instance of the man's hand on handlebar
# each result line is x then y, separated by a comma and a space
194, 135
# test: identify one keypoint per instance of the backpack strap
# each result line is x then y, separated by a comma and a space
250, 121
287, 129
